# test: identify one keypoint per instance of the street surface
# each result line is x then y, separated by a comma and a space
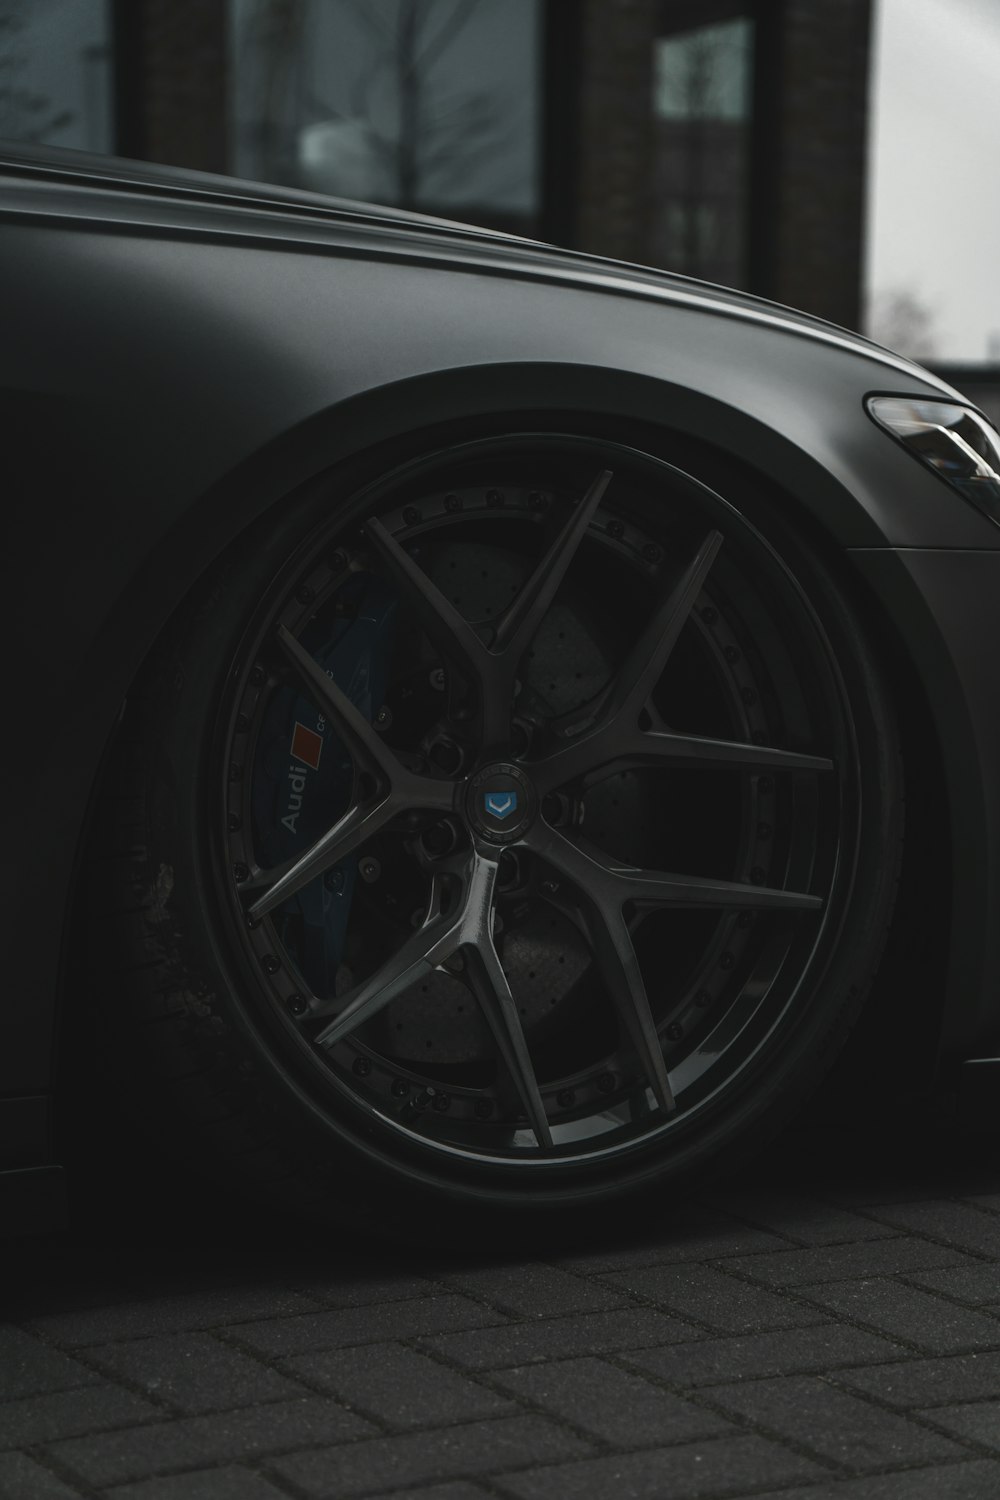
827, 1326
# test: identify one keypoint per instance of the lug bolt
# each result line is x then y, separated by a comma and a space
565, 1098
295, 1005
606, 1083
484, 1109
675, 1031
411, 515
234, 822
400, 1088
240, 873
369, 869
452, 502
362, 1066
270, 964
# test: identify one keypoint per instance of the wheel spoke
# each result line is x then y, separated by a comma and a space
619, 966
429, 946
599, 754
272, 887
367, 747
521, 619
492, 990
451, 634
607, 884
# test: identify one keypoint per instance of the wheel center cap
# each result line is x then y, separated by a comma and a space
500, 803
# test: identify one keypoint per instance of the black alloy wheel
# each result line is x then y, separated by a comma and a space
544, 841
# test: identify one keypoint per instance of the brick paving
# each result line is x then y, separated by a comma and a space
826, 1329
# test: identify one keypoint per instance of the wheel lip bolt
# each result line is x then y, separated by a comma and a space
765, 784
484, 1109
727, 960
362, 1066
383, 719
304, 594
400, 1088
296, 1006
494, 497
566, 1098
411, 515
703, 998
369, 869
710, 614
242, 723
270, 964
606, 1083
257, 676
453, 502
651, 552
674, 1031
442, 1103
234, 823
241, 872
536, 500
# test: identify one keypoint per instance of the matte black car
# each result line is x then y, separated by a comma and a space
460, 699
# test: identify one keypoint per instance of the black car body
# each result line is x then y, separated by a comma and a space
182, 353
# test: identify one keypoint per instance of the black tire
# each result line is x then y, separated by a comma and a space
213, 1046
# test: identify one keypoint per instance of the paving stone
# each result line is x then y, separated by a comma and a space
805, 1219
560, 1338
845, 1262
477, 1447
28, 1365
788, 1351
40, 1419
460, 1490
700, 1235
194, 1372
534, 1290
976, 1284
400, 1386
133, 1320
694, 1471
608, 1403
835, 1425
355, 1288
711, 1297
21, 1478
959, 1224
195, 1442
979, 1479
926, 1382
978, 1420
904, 1312
365, 1325
230, 1483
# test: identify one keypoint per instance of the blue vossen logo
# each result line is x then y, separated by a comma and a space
500, 804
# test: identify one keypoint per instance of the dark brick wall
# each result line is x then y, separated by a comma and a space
615, 144
171, 65
819, 192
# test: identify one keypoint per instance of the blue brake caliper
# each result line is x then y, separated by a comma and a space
304, 776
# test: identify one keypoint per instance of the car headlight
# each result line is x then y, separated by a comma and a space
955, 442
